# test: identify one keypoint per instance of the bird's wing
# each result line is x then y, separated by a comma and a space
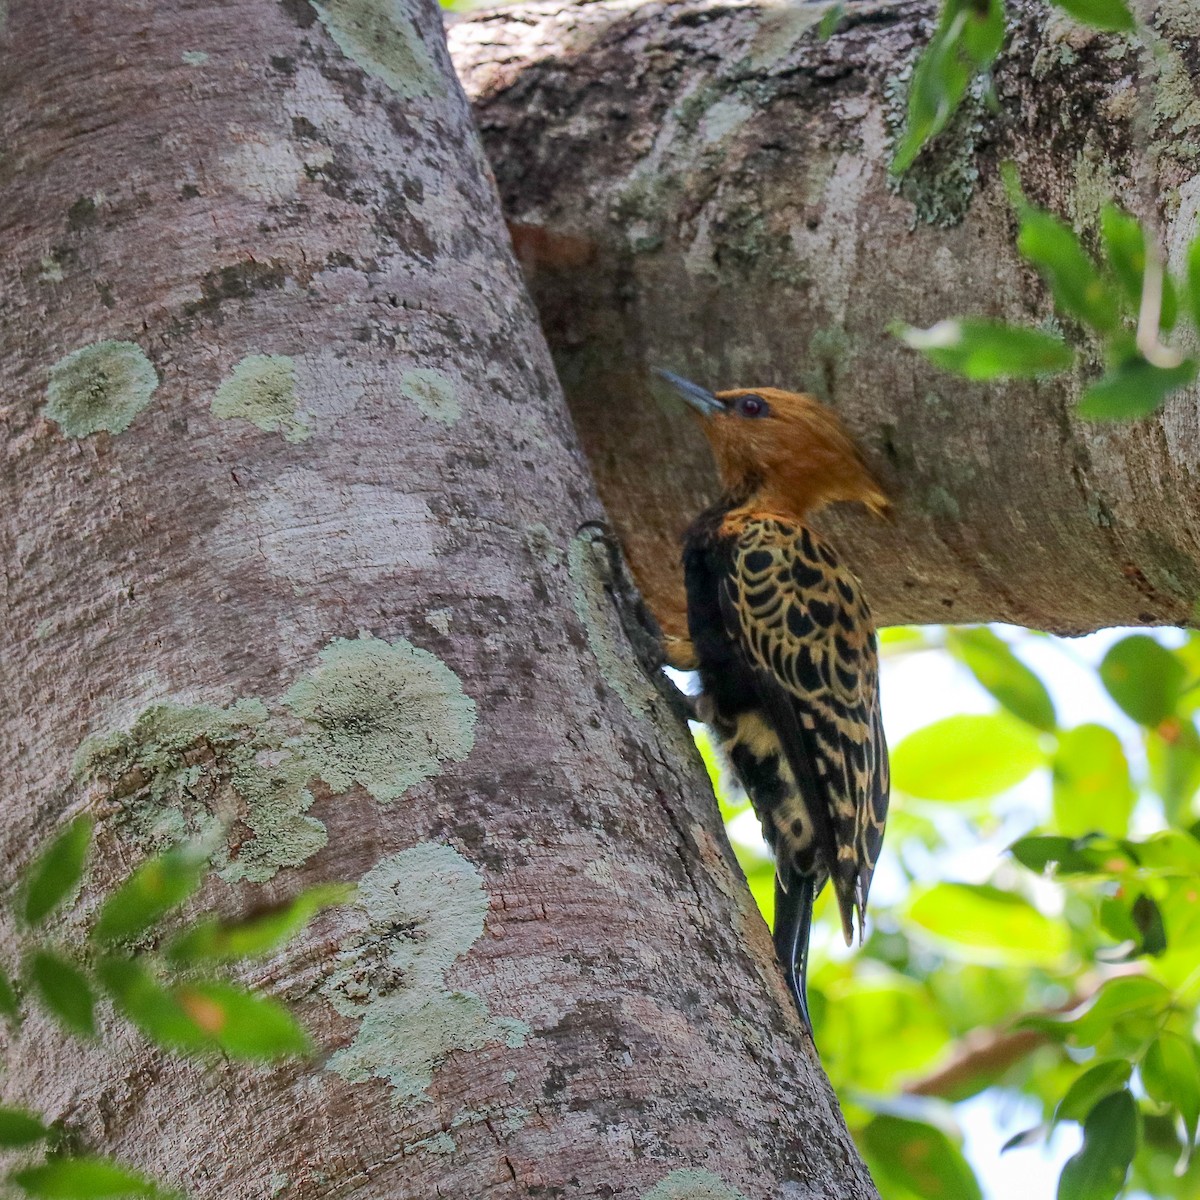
799, 618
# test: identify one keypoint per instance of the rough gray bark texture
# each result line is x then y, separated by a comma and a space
289, 495
704, 186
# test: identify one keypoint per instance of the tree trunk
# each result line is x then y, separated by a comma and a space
704, 186
288, 543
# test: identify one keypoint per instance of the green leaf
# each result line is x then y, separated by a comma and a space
1091, 1087
1170, 852
966, 757
1144, 678
1110, 1137
1171, 1076
1134, 389
57, 871
1026, 1137
903, 638
1193, 281
1168, 316
1090, 855
74, 1178
1116, 920
966, 42
990, 659
240, 1023
831, 19
1077, 286
1038, 852
919, 1158
64, 989
1112, 16
1152, 932
979, 349
152, 891
988, 925
1129, 996
212, 940
1174, 765
19, 1128
149, 1006
1125, 248
1093, 790
9, 1005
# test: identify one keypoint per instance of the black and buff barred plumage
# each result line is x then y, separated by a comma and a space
785, 647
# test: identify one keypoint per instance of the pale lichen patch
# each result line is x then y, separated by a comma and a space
382, 714
941, 184
303, 527
1094, 184
432, 393
379, 36
439, 618
781, 27
262, 390
423, 909
385, 715
724, 118
543, 545
438, 1143
200, 771
99, 387
587, 563
267, 170
1176, 106
194, 58
692, 1184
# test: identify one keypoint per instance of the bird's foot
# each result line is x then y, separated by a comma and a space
637, 621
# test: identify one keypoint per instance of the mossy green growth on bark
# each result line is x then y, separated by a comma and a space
262, 390
422, 910
379, 37
99, 387
691, 1184
385, 715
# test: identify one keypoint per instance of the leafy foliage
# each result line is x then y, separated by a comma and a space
57, 872
1107, 298
967, 41
159, 993
1122, 300
965, 44
1069, 955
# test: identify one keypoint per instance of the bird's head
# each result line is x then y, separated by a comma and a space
783, 445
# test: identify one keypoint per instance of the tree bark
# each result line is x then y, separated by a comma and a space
704, 186
290, 495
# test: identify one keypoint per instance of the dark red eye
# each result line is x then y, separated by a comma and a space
752, 406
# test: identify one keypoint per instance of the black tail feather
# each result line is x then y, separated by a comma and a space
793, 924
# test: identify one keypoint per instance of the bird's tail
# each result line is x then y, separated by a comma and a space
794, 897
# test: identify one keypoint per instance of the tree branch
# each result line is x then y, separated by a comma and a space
704, 185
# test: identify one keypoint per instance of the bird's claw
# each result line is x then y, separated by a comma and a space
638, 623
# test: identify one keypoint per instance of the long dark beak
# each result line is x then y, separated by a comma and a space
704, 402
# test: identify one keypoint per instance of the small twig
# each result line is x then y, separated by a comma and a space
985, 1054
1150, 313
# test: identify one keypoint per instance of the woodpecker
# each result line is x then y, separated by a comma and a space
785, 648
